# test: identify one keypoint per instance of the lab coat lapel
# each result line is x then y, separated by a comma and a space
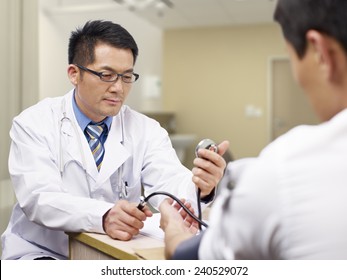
115, 153
76, 144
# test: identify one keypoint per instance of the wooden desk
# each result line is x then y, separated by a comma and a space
93, 246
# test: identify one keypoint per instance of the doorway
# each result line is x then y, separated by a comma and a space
289, 107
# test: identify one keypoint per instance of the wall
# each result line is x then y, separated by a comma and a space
10, 30
10, 21
18, 79
212, 75
19, 71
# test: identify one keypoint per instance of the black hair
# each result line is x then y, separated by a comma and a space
83, 41
296, 17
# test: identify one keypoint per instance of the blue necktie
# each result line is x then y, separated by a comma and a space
94, 131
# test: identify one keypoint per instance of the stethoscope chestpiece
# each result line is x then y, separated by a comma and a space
206, 144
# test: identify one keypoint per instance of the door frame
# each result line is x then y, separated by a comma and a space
270, 92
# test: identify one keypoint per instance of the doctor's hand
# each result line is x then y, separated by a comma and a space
176, 223
124, 220
209, 168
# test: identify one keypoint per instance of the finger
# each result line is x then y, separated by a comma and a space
212, 156
205, 175
164, 204
205, 182
208, 171
193, 227
132, 210
177, 206
183, 209
120, 235
189, 224
129, 224
187, 204
223, 147
144, 209
117, 229
147, 211
190, 207
131, 217
188, 218
187, 213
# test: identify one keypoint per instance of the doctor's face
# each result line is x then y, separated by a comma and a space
98, 99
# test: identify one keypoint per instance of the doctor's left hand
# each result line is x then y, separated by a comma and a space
124, 220
209, 168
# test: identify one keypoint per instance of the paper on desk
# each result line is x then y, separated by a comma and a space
151, 227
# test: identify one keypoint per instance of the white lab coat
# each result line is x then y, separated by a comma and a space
50, 204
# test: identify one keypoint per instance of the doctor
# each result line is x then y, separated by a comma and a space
78, 162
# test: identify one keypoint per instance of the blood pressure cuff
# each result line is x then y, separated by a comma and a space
188, 249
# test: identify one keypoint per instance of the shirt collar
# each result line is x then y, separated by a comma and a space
82, 119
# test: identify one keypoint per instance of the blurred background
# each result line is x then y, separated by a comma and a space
208, 69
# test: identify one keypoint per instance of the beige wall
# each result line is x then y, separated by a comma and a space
211, 74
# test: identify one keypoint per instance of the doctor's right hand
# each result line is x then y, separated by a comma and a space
124, 220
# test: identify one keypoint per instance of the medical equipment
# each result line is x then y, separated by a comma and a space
204, 144
143, 201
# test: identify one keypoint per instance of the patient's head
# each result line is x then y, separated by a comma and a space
296, 17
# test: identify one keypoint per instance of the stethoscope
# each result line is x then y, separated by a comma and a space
122, 185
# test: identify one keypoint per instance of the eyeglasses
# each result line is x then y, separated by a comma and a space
108, 76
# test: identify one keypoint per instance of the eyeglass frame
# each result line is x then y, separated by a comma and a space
100, 75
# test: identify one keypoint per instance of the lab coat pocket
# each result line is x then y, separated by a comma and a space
134, 190
126, 188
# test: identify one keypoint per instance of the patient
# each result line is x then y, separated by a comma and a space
290, 202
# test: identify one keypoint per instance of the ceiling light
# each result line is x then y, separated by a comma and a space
133, 5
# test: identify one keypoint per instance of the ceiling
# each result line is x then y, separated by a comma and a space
188, 13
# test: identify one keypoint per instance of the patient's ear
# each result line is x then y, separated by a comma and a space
326, 54
73, 73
